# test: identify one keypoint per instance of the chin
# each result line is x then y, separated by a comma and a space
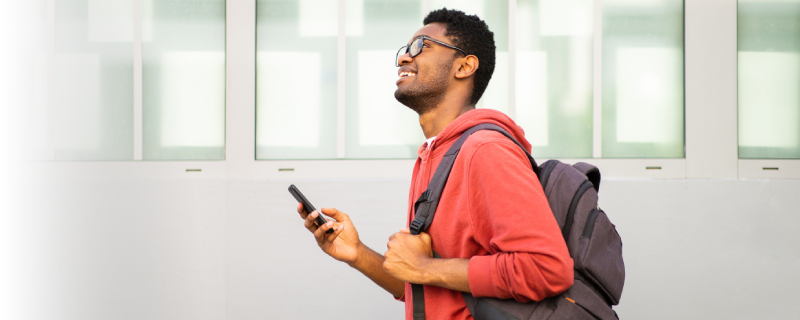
405, 98
419, 105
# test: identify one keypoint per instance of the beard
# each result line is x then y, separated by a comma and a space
423, 97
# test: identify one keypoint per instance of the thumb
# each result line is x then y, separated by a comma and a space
405, 230
425, 238
335, 214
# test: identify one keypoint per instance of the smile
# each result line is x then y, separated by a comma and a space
406, 74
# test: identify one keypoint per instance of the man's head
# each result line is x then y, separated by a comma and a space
426, 78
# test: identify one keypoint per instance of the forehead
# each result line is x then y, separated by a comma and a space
433, 30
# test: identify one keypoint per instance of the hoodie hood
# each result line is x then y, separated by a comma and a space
475, 117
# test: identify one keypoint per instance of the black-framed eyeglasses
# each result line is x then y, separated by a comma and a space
416, 48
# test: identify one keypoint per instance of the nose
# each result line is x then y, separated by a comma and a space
403, 59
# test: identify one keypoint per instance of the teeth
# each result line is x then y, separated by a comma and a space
406, 74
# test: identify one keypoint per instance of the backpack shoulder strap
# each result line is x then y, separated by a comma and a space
425, 206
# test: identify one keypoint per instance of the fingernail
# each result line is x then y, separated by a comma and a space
314, 214
330, 223
340, 228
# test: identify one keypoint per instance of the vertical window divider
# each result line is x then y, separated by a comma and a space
137, 80
597, 83
512, 58
340, 81
710, 107
240, 84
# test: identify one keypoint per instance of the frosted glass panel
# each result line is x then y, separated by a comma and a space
287, 100
190, 113
86, 112
495, 13
643, 83
646, 99
320, 18
533, 112
554, 76
296, 77
23, 82
769, 78
377, 125
183, 76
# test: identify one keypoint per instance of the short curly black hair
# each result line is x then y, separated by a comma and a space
472, 35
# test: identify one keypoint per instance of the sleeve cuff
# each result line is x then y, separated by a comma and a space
402, 297
479, 275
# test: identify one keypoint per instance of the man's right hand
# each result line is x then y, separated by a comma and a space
343, 243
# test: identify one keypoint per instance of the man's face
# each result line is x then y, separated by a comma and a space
423, 80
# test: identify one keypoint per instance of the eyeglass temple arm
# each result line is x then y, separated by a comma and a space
445, 44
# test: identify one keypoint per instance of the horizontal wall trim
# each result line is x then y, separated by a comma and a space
769, 169
309, 169
361, 169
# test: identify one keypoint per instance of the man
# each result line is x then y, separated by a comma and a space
493, 227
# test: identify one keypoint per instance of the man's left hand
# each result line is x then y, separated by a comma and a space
407, 256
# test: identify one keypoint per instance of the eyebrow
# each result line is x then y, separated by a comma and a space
419, 35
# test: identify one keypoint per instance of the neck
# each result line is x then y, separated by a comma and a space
434, 121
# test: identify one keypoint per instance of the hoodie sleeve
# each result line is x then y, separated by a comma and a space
512, 220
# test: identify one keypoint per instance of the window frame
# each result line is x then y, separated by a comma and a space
711, 146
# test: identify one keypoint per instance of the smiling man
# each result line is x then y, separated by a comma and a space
493, 227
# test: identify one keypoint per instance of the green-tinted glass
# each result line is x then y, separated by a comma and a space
183, 76
643, 79
88, 112
769, 78
377, 125
296, 78
554, 76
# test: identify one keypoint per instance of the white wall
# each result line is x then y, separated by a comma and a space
235, 249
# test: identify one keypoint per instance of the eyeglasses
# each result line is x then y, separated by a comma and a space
416, 48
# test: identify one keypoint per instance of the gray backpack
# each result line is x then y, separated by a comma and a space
592, 240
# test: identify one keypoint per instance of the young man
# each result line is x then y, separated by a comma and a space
493, 226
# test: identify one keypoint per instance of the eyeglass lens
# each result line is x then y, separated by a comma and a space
413, 50
400, 52
416, 47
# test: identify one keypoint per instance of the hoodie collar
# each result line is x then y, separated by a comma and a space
474, 117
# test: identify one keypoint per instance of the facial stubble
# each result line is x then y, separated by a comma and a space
423, 97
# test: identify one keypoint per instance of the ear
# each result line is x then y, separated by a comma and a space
467, 67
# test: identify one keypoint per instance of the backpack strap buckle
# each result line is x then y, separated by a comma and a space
415, 226
421, 207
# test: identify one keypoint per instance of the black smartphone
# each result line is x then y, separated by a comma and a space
307, 206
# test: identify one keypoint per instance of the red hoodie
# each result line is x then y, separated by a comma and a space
493, 211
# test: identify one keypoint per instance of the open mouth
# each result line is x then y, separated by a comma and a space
406, 74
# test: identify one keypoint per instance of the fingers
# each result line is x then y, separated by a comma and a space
399, 234
426, 238
395, 238
310, 221
301, 211
335, 214
335, 233
320, 232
